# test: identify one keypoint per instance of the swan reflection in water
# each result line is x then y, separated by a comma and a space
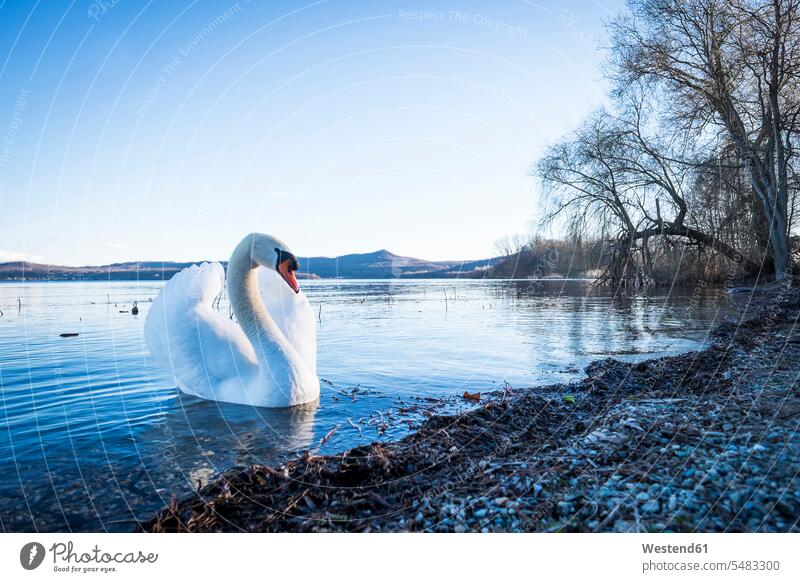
201, 438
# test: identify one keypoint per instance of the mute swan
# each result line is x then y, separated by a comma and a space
268, 357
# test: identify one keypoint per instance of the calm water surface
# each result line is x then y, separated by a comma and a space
93, 436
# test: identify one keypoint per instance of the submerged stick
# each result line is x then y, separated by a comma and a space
355, 426
327, 437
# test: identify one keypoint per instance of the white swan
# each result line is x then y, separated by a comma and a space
268, 357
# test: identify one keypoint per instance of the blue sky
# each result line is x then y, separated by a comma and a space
168, 130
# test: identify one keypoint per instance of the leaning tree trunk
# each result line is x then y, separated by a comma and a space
705, 239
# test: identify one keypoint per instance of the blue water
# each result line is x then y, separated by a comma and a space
93, 436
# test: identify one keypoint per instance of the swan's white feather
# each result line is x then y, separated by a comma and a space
208, 354
292, 313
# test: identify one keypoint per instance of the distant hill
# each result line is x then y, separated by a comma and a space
386, 265
377, 265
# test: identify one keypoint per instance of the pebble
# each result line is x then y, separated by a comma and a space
651, 506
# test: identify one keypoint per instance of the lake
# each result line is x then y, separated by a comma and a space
93, 436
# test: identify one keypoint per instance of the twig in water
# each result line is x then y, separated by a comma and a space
445, 300
320, 314
327, 437
383, 426
355, 426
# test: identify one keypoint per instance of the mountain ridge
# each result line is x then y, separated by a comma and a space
380, 264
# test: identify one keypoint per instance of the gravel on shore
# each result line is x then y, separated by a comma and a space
705, 441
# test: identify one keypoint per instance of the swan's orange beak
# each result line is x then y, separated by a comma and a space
286, 269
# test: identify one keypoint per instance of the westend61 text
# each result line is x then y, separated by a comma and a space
675, 549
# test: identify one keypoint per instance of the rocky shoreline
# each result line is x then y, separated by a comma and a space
705, 441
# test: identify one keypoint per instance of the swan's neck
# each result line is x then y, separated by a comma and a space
252, 316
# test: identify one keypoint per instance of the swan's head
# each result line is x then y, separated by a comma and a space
272, 253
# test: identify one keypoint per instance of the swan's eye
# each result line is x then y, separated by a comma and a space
293, 265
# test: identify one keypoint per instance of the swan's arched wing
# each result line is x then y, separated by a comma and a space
203, 348
292, 313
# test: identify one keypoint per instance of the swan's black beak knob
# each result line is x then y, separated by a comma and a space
286, 265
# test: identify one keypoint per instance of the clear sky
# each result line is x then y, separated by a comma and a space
168, 130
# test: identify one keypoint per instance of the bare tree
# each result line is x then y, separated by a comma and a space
616, 178
733, 65
510, 245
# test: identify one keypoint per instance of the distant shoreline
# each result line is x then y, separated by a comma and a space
376, 265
